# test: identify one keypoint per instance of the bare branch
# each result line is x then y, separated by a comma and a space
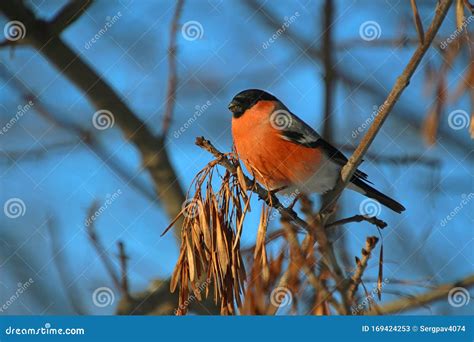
172, 78
286, 213
68, 14
397, 90
99, 248
418, 22
263, 194
57, 248
437, 293
85, 136
123, 267
362, 265
153, 151
359, 218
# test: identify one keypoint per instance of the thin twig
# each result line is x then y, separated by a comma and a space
85, 136
68, 14
397, 90
101, 251
286, 213
172, 78
263, 194
123, 267
359, 218
440, 292
362, 265
418, 22
57, 248
102, 96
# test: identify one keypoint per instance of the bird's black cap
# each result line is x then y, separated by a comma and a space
246, 99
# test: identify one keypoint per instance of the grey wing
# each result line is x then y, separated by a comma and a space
298, 132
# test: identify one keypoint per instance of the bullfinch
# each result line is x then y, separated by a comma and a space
284, 153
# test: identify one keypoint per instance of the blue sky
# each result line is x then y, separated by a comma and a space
62, 182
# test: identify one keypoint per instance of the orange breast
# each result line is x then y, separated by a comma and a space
275, 162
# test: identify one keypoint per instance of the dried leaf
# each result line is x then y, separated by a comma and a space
459, 15
241, 179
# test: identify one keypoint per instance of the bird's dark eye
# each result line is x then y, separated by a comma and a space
237, 108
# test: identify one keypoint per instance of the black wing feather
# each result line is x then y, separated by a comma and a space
300, 133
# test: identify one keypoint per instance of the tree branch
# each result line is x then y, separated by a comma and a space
397, 90
286, 213
68, 14
437, 293
362, 265
359, 218
152, 149
263, 194
172, 78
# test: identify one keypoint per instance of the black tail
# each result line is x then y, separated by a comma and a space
367, 190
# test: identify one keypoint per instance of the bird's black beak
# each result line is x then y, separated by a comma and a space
235, 108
